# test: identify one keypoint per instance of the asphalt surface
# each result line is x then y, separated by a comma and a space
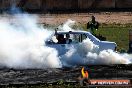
35, 76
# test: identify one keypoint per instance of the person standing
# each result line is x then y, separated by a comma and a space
92, 25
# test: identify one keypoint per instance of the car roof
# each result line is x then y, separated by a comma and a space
72, 32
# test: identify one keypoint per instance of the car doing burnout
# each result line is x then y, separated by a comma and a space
58, 41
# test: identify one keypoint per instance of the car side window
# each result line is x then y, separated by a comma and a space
67, 38
83, 37
77, 38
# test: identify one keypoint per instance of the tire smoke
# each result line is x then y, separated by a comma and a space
86, 53
22, 44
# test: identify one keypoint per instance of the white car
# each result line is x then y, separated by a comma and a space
58, 41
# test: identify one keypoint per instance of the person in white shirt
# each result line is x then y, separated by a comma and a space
67, 39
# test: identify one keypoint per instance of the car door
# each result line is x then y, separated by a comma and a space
76, 39
58, 42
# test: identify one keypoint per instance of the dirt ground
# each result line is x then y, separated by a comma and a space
34, 76
102, 17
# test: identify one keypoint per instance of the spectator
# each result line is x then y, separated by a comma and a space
92, 25
61, 39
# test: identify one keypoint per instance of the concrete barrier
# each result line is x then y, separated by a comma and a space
67, 5
124, 4
33, 4
96, 4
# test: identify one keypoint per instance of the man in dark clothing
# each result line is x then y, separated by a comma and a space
61, 39
92, 25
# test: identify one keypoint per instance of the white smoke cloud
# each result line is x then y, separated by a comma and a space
87, 53
22, 44
67, 25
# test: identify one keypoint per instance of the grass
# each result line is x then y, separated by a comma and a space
118, 33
